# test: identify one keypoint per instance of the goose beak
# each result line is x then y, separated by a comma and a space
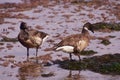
92, 30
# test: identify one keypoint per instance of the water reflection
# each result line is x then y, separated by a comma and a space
29, 70
74, 76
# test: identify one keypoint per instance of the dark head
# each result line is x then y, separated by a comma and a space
23, 26
88, 26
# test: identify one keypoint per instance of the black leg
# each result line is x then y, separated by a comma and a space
27, 54
36, 55
36, 51
70, 56
79, 58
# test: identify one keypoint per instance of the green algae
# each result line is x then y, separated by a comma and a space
105, 64
105, 42
109, 26
88, 52
7, 39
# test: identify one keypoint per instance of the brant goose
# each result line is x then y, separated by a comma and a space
77, 42
30, 38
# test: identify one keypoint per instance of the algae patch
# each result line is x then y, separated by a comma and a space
101, 26
88, 52
105, 64
48, 74
70, 64
105, 42
7, 39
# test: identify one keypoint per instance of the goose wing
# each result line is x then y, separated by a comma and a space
70, 40
36, 37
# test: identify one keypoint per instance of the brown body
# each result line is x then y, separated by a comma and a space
31, 39
78, 41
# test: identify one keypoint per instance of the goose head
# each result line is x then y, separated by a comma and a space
23, 26
88, 26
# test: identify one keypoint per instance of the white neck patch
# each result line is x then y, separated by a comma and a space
86, 28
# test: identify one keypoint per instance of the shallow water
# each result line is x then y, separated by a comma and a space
58, 22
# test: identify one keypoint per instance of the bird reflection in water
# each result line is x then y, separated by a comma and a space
75, 76
29, 70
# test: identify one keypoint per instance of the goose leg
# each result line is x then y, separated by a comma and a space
36, 51
79, 58
36, 55
27, 54
70, 56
